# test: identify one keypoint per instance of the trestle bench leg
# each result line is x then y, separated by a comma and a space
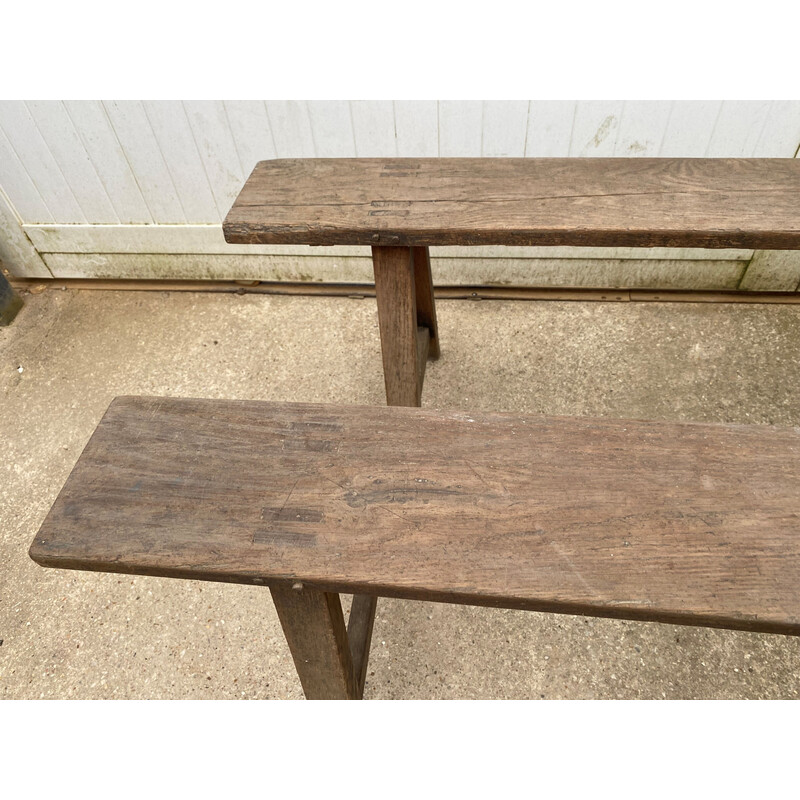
313, 624
359, 634
423, 289
407, 320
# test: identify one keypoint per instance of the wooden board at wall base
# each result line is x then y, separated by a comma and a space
322, 268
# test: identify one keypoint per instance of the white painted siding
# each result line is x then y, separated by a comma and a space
550, 127
373, 128
164, 162
460, 128
176, 141
417, 128
103, 147
504, 128
641, 129
173, 166
689, 129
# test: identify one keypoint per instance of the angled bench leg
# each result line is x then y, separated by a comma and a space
426, 308
359, 634
407, 320
313, 624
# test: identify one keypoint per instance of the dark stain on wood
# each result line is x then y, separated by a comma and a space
312, 445
284, 514
287, 538
314, 426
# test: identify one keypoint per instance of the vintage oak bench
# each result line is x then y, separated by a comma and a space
403, 206
681, 523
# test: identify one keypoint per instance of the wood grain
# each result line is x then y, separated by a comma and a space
683, 523
637, 202
397, 317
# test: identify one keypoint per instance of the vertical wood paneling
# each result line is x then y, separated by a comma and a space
175, 139
689, 128
58, 132
460, 128
596, 126
417, 127
505, 127
332, 128
33, 152
104, 149
214, 139
781, 134
738, 129
550, 128
141, 148
17, 252
252, 136
373, 128
773, 270
171, 162
641, 128
18, 186
291, 128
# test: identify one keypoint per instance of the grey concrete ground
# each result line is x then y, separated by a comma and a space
82, 635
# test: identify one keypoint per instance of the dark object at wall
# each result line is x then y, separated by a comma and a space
10, 302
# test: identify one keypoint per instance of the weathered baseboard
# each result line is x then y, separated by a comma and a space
199, 252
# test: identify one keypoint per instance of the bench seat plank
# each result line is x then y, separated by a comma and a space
644, 202
685, 523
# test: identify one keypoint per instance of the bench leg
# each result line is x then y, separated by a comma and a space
426, 308
313, 624
407, 319
359, 634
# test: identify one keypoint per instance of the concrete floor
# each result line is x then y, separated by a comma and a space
89, 635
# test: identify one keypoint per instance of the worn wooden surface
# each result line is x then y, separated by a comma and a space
313, 624
686, 523
644, 202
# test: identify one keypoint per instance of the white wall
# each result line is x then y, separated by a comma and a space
138, 189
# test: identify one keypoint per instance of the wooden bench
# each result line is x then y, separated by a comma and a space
681, 523
403, 206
